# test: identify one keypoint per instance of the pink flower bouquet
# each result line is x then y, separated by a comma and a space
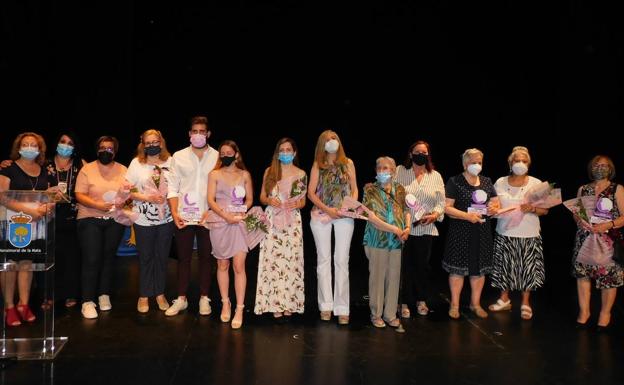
282, 216
543, 196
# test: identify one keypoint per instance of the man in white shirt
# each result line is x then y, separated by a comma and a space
188, 186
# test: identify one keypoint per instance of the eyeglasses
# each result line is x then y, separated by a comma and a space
155, 143
108, 149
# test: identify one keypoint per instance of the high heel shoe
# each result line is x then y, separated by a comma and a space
237, 321
12, 317
226, 315
25, 313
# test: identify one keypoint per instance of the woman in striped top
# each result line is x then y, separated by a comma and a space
419, 178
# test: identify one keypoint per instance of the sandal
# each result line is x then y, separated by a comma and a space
500, 305
378, 322
395, 323
453, 312
421, 308
405, 311
70, 302
12, 317
478, 311
237, 322
25, 313
326, 315
225, 315
46, 305
526, 312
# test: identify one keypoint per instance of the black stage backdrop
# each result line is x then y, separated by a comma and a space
492, 75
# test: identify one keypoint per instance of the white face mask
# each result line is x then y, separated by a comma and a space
474, 169
519, 168
331, 146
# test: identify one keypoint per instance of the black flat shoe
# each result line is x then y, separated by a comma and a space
580, 326
603, 329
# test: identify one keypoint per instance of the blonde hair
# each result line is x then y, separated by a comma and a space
470, 152
164, 154
518, 150
17, 144
320, 155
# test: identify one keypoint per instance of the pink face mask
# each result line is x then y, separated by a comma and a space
198, 140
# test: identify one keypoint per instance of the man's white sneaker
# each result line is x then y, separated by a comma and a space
177, 306
104, 302
204, 305
88, 310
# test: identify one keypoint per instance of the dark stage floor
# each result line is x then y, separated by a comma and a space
123, 347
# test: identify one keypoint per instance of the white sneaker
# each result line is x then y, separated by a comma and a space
104, 301
88, 310
204, 305
177, 306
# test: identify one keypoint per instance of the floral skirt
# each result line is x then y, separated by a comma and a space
606, 277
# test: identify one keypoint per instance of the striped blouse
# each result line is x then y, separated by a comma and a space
429, 192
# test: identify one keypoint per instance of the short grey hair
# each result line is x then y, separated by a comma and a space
387, 159
470, 152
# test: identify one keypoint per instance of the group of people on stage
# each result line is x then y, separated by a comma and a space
203, 194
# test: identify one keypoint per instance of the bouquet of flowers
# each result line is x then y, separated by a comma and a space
583, 208
122, 210
298, 188
254, 224
597, 249
351, 208
158, 186
543, 196
283, 216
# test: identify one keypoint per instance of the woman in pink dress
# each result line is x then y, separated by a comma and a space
230, 195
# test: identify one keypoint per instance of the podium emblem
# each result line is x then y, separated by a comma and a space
20, 230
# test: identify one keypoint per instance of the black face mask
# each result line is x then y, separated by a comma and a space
227, 160
419, 159
152, 150
105, 157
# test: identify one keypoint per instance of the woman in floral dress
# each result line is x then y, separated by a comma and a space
588, 263
280, 287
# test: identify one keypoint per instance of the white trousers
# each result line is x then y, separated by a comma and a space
338, 301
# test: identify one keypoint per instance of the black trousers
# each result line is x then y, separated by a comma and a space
416, 256
67, 259
99, 240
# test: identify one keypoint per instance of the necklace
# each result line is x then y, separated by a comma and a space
64, 186
30, 177
33, 185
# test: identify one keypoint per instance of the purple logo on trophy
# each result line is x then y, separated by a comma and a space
238, 195
603, 208
479, 197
